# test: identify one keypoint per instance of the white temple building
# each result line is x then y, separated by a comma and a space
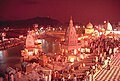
31, 50
30, 41
108, 28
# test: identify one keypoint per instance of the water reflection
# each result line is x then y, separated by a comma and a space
3, 55
51, 45
11, 57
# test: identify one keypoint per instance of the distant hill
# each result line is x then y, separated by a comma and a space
42, 21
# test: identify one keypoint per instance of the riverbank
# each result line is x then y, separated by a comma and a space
10, 58
11, 43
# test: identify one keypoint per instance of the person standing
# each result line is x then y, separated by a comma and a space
46, 78
6, 76
1, 78
12, 77
50, 76
63, 79
108, 67
75, 78
69, 76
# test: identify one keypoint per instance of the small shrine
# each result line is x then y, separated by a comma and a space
32, 49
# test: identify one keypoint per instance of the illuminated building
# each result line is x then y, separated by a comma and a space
32, 49
30, 40
89, 29
108, 27
71, 39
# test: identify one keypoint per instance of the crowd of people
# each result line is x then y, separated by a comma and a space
104, 48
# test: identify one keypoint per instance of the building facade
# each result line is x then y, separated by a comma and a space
71, 38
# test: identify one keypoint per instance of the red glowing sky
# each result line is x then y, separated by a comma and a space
81, 10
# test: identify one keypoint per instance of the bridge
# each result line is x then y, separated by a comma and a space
57, 34
16, 32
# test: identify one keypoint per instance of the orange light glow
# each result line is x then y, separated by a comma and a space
71, 59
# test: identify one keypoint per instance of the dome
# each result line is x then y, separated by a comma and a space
109, 26
89, 25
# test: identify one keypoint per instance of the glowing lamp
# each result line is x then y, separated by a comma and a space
105, 21
62, 39
71, 59
83, 64
79, 38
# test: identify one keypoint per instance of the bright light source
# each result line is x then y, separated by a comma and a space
104, 21
81, 56
20, 36
39, 40
71, 59
79, 38
53, 29
76, 26
83, 64
30, 52
75, 51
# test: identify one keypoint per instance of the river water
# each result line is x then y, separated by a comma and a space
11, 57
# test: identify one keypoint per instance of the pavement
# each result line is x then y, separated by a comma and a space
110, 75
102, 75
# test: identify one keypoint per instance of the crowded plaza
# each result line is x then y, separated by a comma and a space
77, 61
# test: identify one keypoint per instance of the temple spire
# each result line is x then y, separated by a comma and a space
71, 22
71, 38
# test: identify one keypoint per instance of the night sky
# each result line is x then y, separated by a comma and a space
81, 10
